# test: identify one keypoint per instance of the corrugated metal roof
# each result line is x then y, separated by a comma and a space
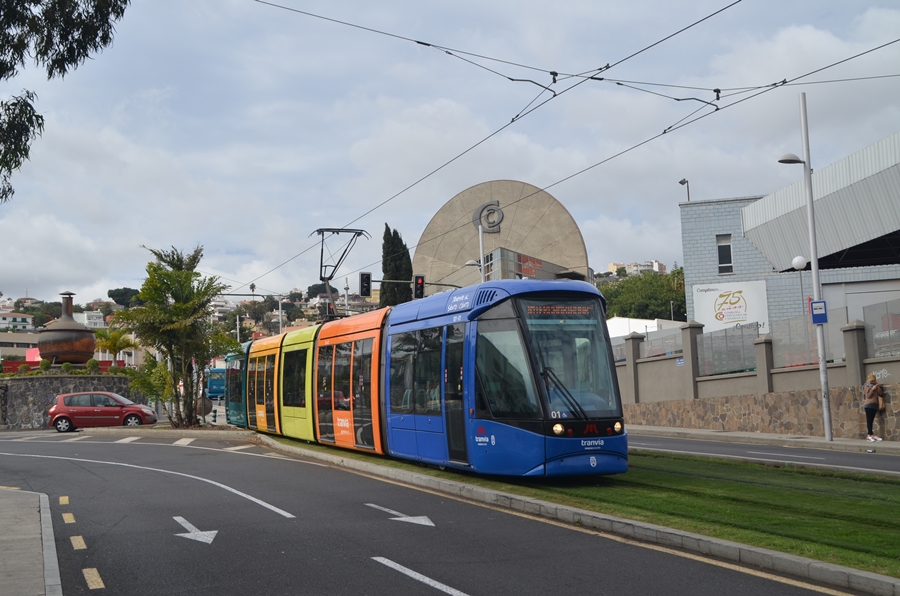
857, 199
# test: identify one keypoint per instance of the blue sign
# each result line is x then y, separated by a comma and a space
819, 314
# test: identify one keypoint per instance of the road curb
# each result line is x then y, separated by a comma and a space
826, 574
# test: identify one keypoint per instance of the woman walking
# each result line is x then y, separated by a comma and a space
873, 394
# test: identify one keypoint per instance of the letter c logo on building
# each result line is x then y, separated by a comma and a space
488, 216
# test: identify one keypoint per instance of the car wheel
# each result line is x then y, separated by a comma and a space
63, 425
133, 420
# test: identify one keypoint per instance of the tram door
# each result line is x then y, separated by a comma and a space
454, 404
416, 421
361, 402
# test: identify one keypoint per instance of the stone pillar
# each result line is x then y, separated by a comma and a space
855, 351
765, 362
689, 333
632, 352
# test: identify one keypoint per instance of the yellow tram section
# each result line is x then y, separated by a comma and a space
263, 365
347, 382
296, 388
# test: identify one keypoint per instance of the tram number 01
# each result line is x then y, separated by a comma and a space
558, 414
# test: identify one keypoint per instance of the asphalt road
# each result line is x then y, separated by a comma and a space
138, 515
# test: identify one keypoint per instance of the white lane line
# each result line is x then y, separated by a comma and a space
385, 509
780, 455
127, 440
191, 476
419, 577
74, 439
238, 448
183, 442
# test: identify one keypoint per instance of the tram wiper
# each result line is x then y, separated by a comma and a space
551, 378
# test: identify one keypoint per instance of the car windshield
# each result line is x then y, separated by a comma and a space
572, 354
124, 400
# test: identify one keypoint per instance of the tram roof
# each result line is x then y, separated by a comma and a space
472, 300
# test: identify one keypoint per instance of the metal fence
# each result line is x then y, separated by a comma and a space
794, 340
618, 348
727, 350
663, 342
882, 329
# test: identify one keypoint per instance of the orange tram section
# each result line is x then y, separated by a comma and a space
320, 383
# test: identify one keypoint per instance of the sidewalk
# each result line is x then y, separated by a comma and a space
28, 562
806, 442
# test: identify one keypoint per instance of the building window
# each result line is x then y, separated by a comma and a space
723, 244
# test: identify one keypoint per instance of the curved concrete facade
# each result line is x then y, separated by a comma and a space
515, 215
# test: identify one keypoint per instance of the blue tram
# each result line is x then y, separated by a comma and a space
510, 377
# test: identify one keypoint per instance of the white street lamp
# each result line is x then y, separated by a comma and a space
790, 158
799, 264
684, 182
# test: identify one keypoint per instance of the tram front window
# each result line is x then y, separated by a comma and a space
572, 357
505, 384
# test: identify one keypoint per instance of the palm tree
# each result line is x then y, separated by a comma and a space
114, 341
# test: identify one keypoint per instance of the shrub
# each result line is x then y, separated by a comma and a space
67, 368
92, 366
45, 365
23, 368
113, 369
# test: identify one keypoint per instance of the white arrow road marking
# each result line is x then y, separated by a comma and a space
195, 534
418, 576
421, 520
201, 479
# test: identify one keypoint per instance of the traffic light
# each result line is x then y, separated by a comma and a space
365, 284
419, 286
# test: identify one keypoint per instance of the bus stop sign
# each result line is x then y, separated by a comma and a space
819, 314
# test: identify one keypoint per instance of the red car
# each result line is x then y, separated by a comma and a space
97, 408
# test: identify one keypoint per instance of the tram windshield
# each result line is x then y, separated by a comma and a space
572, 355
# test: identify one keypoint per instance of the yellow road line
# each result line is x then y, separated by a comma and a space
64, 500
92, 577
9, 487
78, 543
69, 518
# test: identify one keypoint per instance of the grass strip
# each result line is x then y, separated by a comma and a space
836, 517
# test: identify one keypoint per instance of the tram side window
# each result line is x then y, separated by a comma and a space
342, 376
403, 355
323, 389
428, 371
362, 372
251, 380
233, 381
294, 388
270, 379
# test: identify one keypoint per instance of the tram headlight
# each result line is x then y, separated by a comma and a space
617, 427
558, 429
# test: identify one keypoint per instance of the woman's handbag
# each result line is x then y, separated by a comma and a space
880, 403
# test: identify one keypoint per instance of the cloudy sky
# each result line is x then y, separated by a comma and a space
243, 126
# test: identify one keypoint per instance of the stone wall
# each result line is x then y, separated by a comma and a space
793, 413
25, 401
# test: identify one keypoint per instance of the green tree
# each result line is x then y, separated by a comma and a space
123, 296
647, 296
114, 341
395, 265
175, 319
58, 35
152, 379
314, 290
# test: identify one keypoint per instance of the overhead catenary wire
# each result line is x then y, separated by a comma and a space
584, 77
667, 130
